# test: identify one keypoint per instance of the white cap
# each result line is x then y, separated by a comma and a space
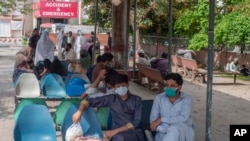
140, 51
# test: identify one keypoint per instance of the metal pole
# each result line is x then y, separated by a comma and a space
170, 34
96, 24
135, 29
210, 70
126, 63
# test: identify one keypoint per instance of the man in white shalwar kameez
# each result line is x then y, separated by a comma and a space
78, 43
171, 112
59, 41
44, 49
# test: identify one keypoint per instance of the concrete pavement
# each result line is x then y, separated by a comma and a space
230, 103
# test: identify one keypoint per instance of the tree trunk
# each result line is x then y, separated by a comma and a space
120, 20
138, 39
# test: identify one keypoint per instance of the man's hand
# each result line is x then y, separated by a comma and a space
77, 116
155, 123
109, 134
102, 74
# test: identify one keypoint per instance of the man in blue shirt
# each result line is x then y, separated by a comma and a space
171, 112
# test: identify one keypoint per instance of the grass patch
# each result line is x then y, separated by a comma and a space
239, 77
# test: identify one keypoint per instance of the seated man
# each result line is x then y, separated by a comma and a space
171, 112
52, 67
161, 64
234, 65
185, 52
95, 90
69, 54
91, 68
125, 110
245, 71
143, 59
106, 61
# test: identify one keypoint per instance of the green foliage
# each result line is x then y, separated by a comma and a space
103, 14
198, 42
234, 28
192, 21
232, 23
23, 6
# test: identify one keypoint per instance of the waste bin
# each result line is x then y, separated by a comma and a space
24, 41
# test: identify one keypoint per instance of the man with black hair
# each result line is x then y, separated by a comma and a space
109, 40
33, 41
103, 85
106, 62
244, 71
125, 109
171, 112
91, 68
95, 42
68, 53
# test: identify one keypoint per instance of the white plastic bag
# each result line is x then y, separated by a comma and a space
74, 131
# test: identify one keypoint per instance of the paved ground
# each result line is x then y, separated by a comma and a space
230, 102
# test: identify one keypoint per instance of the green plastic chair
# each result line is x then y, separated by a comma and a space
26, 102
62, 109
102, 115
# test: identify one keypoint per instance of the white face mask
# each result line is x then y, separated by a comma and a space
121, 91
110, 91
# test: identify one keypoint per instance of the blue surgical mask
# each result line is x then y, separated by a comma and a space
121, 91
170, 92
109, 65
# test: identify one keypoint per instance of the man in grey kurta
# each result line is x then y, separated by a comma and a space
125, 110
171, 112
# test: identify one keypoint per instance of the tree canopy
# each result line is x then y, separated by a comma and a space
23, 6
231, 23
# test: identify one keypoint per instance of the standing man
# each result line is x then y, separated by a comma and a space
69, 39
109, 40
33, 41
78, 43
97, 42
171, 112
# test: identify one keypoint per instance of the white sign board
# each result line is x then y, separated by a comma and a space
86, 29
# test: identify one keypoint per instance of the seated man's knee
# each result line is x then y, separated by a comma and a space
118, 137
172, 134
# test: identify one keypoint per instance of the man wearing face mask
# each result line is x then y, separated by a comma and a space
125, 110
95, 90
171, 112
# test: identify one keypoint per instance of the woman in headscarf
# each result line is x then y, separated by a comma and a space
22, 55
45, 48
